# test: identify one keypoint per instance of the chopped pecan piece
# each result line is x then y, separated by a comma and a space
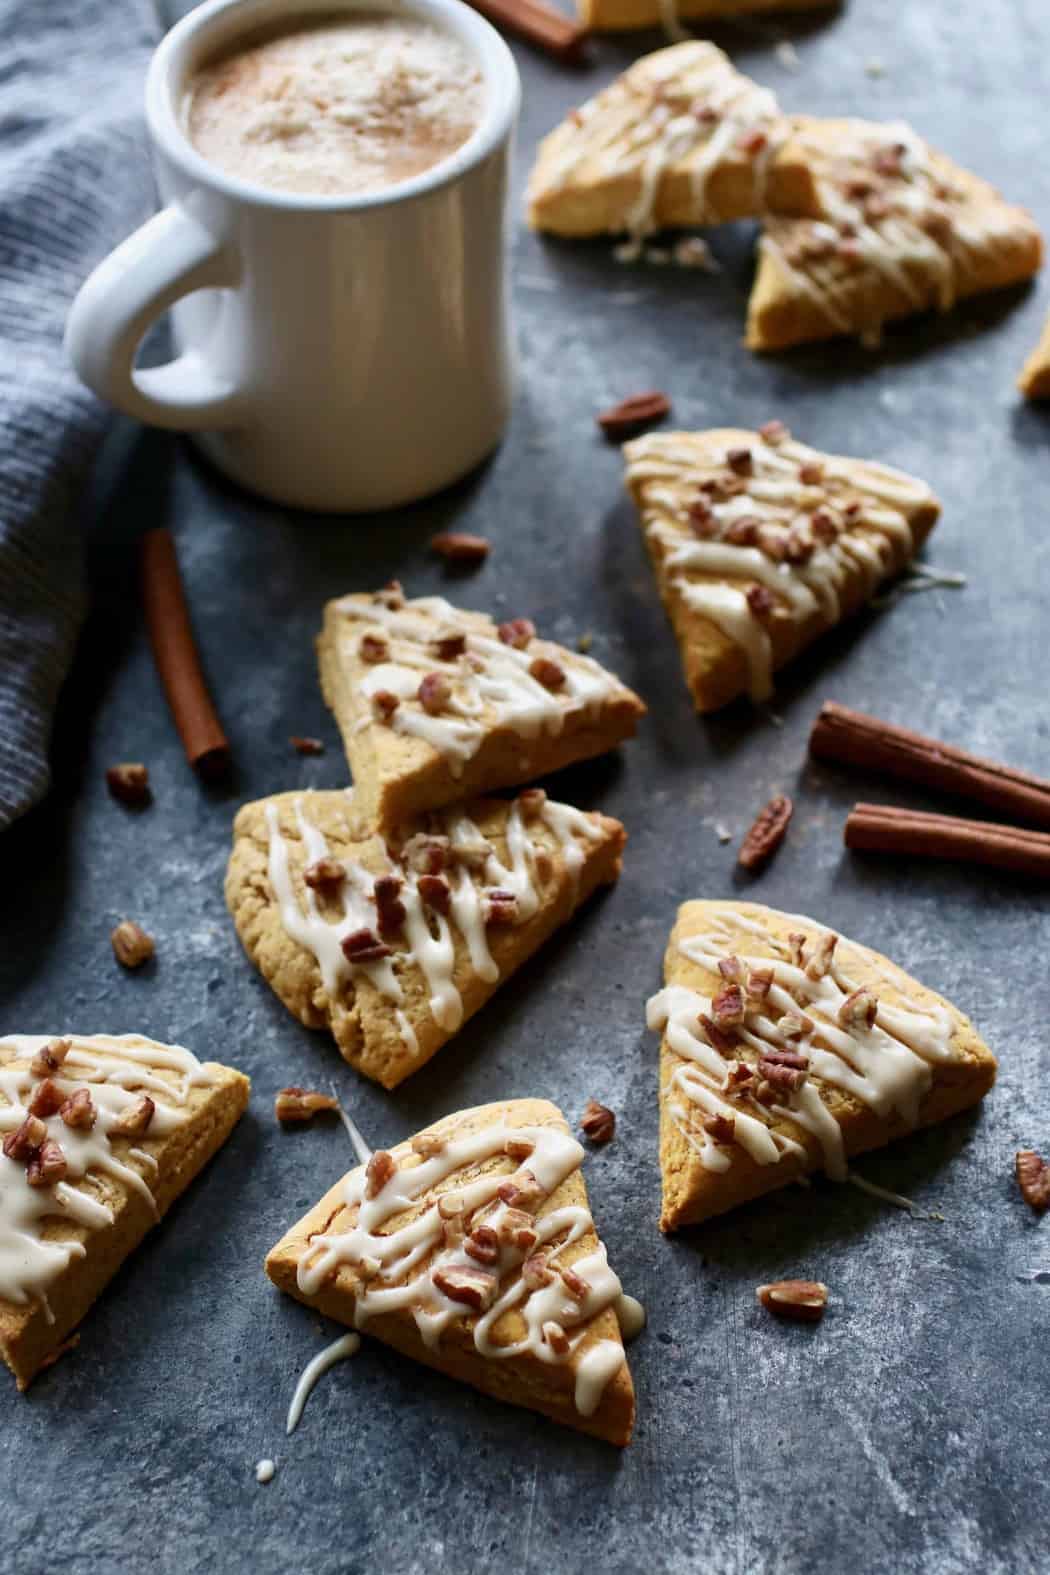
306, 746
47, 1099
744, 532
860, 1007
473, 854
392, 596
574, 1283
797, 948
131, 945
324, 875
767, 833
79, 1110
795, 1025
798, 548
379, 1170
475, 1288
517, 632
364, 946
516, 1229
823, 527
783, 1071
531, 802
23, 1142
721, 1128
434, 693
556, 1337
501, 908
598, 1122
129, 783
773, 542
134, 1120
518, 1148
301, 1104
547, 673
427, 855
702, 521
823, 952
48, 1060
800, 1300
751, 141
727, 1008
773, 433
384, 704
1033, 1178
448, 643
459, 546
739, 1077
759, 984
435, 892
535, 1272
765, 1093
521, 1190
722, 1040
47, 1166
390, 910
373, 647
450, 1204
482, 1245
811, 473
740, 461
632, 414
732, 969
429, 1144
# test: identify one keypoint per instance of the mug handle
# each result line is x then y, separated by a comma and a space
170, 256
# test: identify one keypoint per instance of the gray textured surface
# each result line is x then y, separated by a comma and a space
908, 1432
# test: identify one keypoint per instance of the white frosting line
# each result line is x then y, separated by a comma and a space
264, 1471
346, 1345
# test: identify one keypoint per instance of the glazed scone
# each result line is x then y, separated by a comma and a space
681, 138
788, 1049
471, 1248
873, 225
760, 544
436, 704
392, 942
101, 1135
1034, 381
618, 16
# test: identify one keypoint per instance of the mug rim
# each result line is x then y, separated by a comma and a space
171, 64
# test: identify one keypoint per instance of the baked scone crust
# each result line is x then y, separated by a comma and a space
523, 1379
523, 731
618, 16
728, 650
681, 138
562, 858
869, 224
207, 1113
1034, 381
958, 1078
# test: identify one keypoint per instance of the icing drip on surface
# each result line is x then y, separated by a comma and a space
404, 1267
357, 1142
886, 1066
264, 1471
338, 1351
797, 524
426, 939
117, 1071
491, 685
685, 107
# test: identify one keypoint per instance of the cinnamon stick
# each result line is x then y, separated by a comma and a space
175, 653
883, 828
538, 24
855, 739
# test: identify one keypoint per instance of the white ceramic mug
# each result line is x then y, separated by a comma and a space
333, 353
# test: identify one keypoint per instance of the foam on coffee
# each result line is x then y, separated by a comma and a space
337, 105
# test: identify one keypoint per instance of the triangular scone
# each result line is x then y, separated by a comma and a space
760, 544
682, 138
471, 1248
392, 943
1034, 381
436, 704
101, 1135
618, 16
881, 226
789, 1049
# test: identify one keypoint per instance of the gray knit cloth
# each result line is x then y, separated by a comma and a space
74, 180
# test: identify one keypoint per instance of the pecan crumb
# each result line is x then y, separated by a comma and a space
301, 1104
767, 833
482, 1245
721, 1128
306, 746
384, 704
459, 546
517, 632
860, 1007
740, 461
363, 946
475, 1288
47, 1099
535, 1272
48, 1060
47, 1166
547, 673
129, 783
1033, 1178
501, 908
435, 892
373, 648
390, 910
23, 1142
598, 1122
803, 1301
434, 693
325, 875
79, 1110
379, 1170
632, 414
131, 945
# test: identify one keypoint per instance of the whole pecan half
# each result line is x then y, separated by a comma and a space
633, 414
475, 1288
79, 1110
459, 546
301, 1104
47, 1166
803, 1301
767, 833
1033, 1178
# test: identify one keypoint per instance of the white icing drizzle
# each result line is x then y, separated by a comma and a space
404, 1262
713, 575
117, 1070
426, 940
685, 107
338, 1351
896, 1199
264, 1471
357, 1142
886, 1066
491, 685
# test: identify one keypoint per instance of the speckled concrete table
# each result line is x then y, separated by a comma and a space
908, 1432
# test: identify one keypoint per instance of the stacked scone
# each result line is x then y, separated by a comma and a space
864, 222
